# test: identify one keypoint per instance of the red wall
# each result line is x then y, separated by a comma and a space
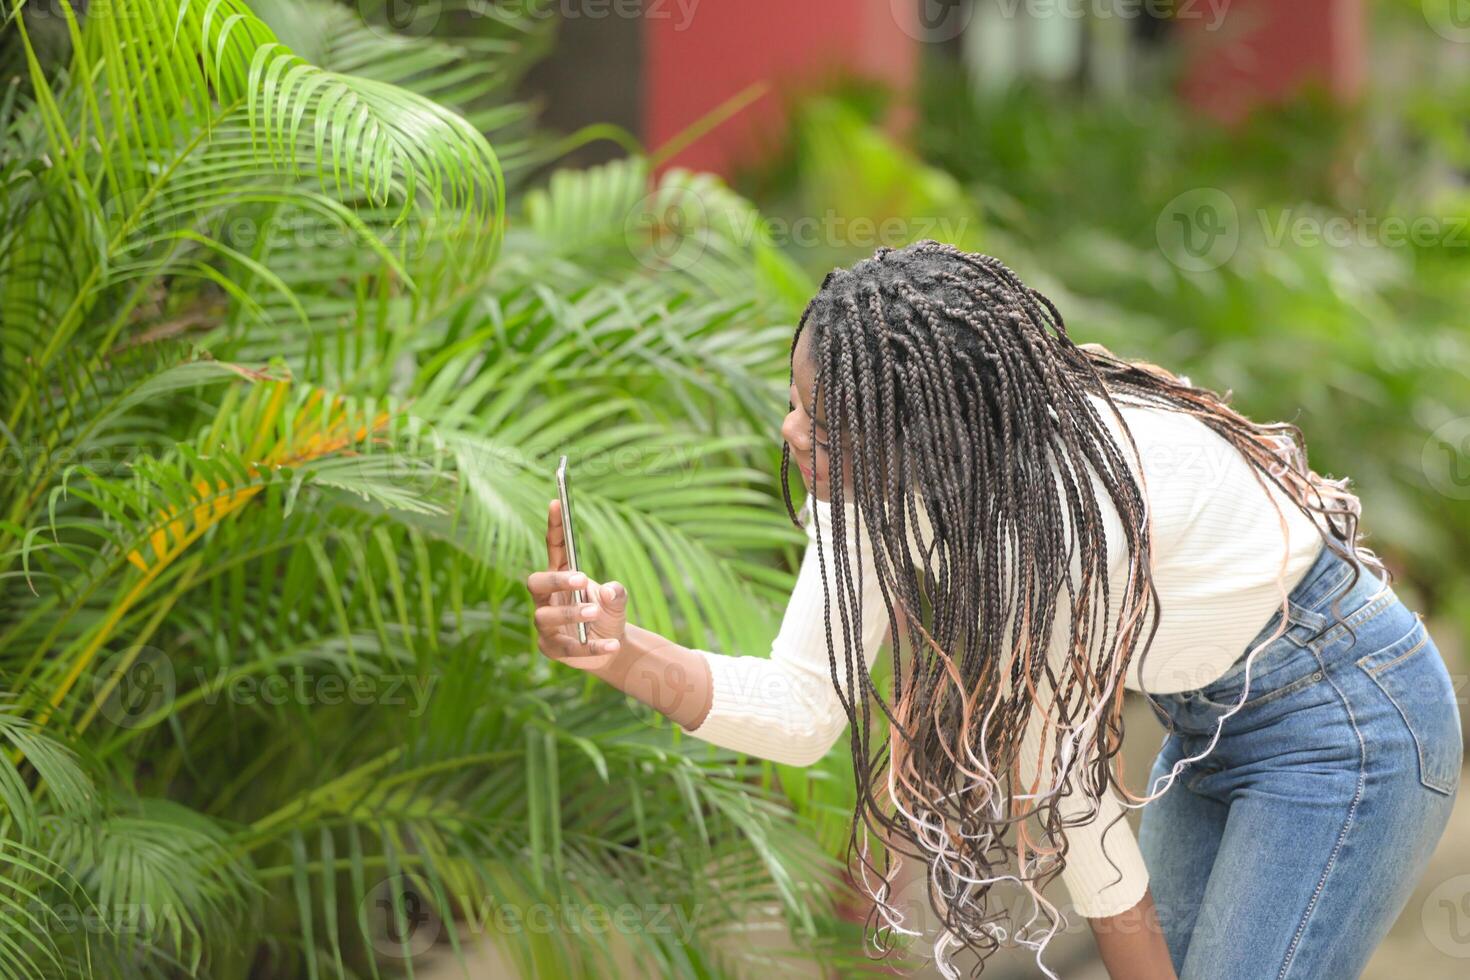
699, 53
690, 68
1265, 50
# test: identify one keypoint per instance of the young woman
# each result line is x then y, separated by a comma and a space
1042, 526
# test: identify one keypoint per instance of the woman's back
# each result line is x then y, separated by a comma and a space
1223, 557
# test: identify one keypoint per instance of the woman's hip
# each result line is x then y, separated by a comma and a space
1333, 759
1359, 690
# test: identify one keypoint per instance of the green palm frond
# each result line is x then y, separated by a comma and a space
51, 927
176, 122
286, 406
162, 876
277, 439
70, 789
552, 787
473, 71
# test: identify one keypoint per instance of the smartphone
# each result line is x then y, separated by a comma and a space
564, 491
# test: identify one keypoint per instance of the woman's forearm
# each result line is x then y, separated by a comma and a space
671, 679
1132, 945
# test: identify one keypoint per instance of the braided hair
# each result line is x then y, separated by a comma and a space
950, 383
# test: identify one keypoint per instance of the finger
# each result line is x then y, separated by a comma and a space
545, 584
556, 545
551, 617
559, 646
612, 597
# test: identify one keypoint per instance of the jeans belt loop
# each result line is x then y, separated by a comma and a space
1306, 625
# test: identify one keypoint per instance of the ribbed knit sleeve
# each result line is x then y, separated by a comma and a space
1094, 845
785, 707
1096, 887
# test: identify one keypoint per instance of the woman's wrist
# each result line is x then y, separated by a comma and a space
668, 677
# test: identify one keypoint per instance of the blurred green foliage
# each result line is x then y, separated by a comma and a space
1336, 301
288, 350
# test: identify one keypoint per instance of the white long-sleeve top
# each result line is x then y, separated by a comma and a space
1221, 565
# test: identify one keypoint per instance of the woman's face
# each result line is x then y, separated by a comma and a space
796, 429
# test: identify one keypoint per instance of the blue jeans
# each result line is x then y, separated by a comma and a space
1289, 850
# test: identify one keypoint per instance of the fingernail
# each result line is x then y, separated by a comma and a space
589, 611
578, 579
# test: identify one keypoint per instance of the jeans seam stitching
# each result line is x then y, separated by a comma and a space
1342, 834
1352, 622
1301, 682
1403, 656
1424, 774
1291, 687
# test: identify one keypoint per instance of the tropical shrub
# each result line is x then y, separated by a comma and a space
284, 373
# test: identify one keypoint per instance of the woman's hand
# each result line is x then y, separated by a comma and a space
557, 613
669, 678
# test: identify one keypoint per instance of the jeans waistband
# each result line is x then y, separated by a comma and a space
1310, 603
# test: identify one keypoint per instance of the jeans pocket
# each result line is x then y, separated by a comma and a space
1226, 700
1280, 669
1412, 674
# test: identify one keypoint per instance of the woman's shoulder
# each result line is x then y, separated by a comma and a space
1159, 427
1188, 469
1197, 480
